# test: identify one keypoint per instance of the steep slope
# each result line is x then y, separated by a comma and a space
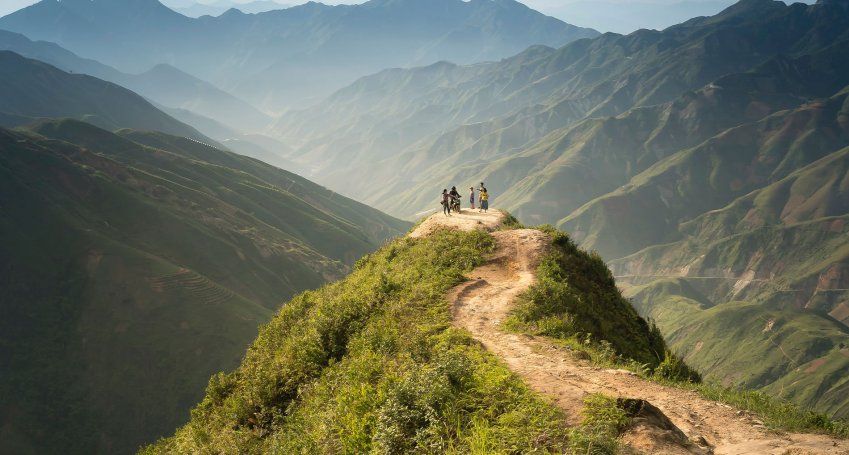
711, 175
163, 84
34, 89
135, 266
283, 58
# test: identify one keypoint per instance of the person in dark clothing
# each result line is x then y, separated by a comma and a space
446, 203
455, 198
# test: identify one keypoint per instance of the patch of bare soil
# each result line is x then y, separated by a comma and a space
466, 220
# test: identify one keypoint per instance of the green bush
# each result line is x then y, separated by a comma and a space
602, 422
674, 369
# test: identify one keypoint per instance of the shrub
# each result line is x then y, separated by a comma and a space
674, 369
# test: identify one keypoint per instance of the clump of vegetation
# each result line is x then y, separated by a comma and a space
674, 369
511, 222
576, 300
372, 364
601, 423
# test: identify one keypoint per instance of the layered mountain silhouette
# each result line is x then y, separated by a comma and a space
281, 58
135, 265
32, 89
624, 141
162, 84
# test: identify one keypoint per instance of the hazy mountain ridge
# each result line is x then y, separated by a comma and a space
169, 86
34, 89
163, 84
137, 263
216, 8
168, 255
283, 57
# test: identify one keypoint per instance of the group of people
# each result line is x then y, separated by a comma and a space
451, 199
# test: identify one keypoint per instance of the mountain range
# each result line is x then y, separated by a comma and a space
219, 7
283, 58
32, 89
631, 143
162, 84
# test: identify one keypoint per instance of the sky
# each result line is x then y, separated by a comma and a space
621, 16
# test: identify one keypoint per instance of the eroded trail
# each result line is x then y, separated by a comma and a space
483, 302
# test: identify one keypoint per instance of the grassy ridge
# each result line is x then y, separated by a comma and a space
372, 363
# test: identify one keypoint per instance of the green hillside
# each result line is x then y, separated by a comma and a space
762, 278
135, 265
711, 175
372, 363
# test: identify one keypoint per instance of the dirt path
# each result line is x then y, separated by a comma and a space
481, 303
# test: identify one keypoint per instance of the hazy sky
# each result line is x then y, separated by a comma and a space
623, 17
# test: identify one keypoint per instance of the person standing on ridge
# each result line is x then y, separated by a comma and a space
484, 194
446, 203
472, 197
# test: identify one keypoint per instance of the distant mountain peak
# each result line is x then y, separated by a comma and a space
233, 12
748, 6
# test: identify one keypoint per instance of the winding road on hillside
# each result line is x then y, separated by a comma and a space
694, 425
